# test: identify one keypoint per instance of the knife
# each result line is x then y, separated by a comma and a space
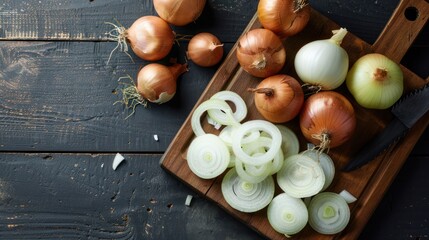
406, 112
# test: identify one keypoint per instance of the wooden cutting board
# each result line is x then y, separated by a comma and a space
368, 183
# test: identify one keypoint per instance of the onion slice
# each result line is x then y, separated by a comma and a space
256, 125
208, 156
244, 196
211, 104
287, 215
239, 104
290, 142
117, 160
347, 196
325, 162
301, 176
328, 213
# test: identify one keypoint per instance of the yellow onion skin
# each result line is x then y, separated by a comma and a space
205, 49
157, 83
151, 38
279, 98
179, 12
327, 114
284, 17
375, 81
261, 53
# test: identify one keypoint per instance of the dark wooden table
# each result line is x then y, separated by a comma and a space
60, 129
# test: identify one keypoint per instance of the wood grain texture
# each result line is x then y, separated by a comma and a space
84, 20
368, 184
64, 93
56, 95
80, 196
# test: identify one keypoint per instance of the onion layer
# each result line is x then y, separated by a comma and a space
325, 162
287, 215
244, 196
328, 213
261, 53
211, 104
207, 156
301, 176
261, 126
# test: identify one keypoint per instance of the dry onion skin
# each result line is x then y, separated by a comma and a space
284, 17
150, 38
157, 82
179, 12
327, 119
278, 98
205, 50
261, 53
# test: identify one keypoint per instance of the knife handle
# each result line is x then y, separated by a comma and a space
391, 133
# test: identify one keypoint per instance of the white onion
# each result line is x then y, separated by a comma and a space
300, 176
239, 104
244, 196
290, 142
207, 156
252, 174
325, 162
287, 215
324, 62
347, 196
256, 125
328, 213
207, 105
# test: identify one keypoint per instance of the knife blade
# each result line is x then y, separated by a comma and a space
407, 111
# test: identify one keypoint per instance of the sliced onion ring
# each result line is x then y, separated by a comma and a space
208, 156
300, 176
325, 162
211, 104
261, 126
240, 106
290, 142
244, 196
328, 213
287, 215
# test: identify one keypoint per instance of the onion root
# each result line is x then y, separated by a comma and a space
131, 98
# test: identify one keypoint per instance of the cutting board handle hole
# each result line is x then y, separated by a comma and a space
411, 13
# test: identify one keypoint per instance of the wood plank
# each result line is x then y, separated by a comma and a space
85, 20
80, 196
59, 96
368, 183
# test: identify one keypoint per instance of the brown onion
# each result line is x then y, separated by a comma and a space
205, 49
278, 98
179, 12
157, 83
261, 53
327, 119
150, 37
284, 17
